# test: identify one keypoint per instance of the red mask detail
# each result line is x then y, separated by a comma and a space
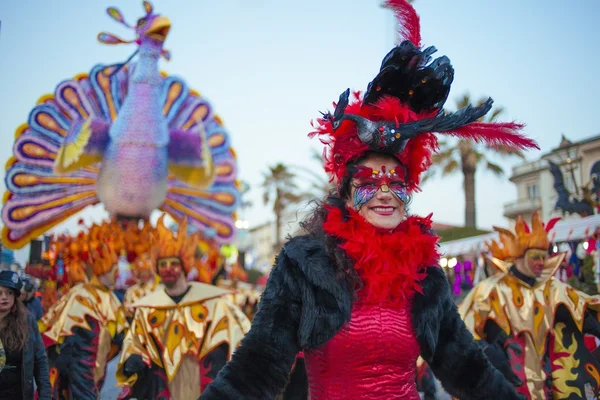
370, 181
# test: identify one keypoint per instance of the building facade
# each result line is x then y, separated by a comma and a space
261, 240
535, 183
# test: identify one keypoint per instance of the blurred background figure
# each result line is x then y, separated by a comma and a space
22, 353
29, 299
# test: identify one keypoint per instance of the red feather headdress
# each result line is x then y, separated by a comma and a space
402, 111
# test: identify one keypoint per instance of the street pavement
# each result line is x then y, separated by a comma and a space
109, 391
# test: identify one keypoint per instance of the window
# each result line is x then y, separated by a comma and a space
533, 191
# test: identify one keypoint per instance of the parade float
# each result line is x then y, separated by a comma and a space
127, 136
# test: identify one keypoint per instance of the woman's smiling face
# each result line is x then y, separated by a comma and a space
378, 191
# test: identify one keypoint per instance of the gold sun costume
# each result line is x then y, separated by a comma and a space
83, 331
537, 324
177, 345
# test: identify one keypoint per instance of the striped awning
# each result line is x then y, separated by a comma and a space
563, 231
470, 245
574, 229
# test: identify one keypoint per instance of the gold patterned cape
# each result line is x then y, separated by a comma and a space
137, 291
176, 337
545, 326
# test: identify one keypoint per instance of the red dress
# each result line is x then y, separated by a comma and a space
373, 357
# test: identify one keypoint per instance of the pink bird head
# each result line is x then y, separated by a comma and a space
152, 29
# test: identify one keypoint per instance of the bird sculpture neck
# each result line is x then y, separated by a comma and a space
146, 70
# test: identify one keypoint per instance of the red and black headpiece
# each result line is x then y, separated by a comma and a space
402, 110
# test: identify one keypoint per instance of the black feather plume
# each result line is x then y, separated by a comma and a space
406, 74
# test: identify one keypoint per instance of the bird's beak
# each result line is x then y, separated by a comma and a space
159, 28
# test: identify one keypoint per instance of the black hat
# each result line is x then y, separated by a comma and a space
11, 280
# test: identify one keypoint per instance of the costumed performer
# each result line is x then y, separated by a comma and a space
147, 282
532, 322
84, 330
362, 293
183, 333
137, 244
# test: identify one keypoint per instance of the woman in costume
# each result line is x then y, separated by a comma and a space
22, 354
361, 293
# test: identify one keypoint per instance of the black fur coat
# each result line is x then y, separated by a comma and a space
304, 306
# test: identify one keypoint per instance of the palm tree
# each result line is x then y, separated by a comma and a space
280, 187
466, 156
244, 188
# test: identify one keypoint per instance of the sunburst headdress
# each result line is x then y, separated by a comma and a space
165, 244
103, 258
143, 262
137, 247
515, 245
76, 273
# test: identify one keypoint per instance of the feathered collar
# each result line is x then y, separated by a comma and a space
390, 264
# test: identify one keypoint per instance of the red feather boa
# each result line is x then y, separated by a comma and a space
390, 264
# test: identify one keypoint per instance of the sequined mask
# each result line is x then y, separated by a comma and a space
369, 181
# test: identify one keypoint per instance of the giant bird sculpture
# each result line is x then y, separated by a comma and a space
125, 135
